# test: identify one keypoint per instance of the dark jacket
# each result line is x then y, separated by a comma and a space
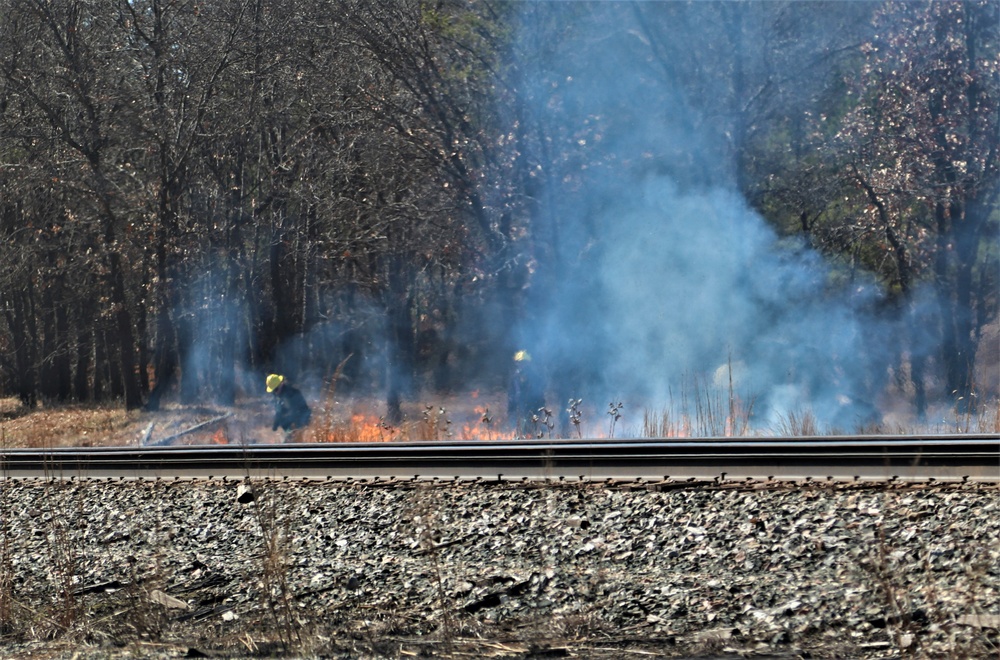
525, 393
290, 409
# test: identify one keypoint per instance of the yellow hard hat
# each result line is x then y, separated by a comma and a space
522, 356
274, 381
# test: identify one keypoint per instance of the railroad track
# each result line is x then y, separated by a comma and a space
872, 458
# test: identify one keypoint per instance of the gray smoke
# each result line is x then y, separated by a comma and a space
663, 273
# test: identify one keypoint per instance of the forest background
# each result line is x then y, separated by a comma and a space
401, 194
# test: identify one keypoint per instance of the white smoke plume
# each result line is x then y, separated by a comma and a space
664, 273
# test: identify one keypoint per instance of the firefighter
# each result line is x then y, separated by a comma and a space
291, 412
525, 395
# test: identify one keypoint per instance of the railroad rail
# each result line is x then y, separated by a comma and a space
853, 458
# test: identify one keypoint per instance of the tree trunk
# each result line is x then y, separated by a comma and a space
282, 287
124, 339
961, 370
19, 322
102, 373
164, 354
190, 389
958, 243
400, 339
84, 352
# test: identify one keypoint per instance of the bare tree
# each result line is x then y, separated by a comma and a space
924, 145
70, 95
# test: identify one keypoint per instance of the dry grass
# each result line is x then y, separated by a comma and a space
276, 563
104, 426
248, 421
63, 426
461, 417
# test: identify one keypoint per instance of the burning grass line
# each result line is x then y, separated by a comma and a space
697, 409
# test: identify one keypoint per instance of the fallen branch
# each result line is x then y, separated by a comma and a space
196, 427
146, 434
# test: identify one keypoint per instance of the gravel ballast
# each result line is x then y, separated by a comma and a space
322, 569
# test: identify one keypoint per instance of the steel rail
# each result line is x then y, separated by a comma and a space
872, 458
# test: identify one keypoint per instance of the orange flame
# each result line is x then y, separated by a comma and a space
361, 428
482, 431
485, 427
368, 428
